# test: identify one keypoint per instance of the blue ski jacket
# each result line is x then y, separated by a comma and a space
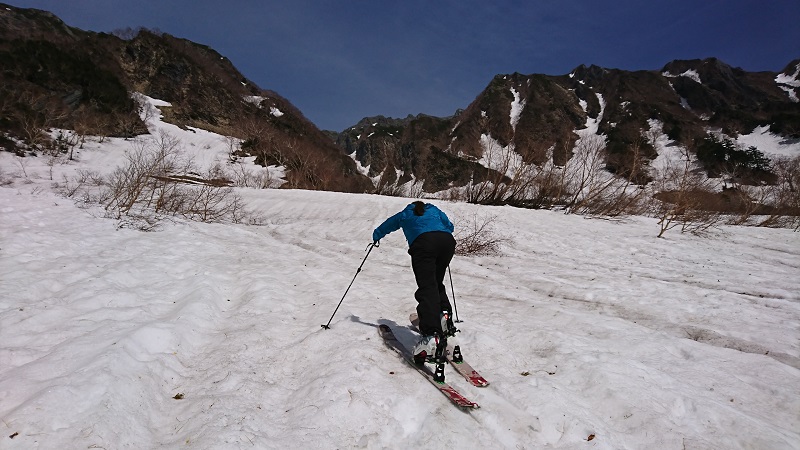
433, 219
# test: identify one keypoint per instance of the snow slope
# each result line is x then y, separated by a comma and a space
584, 327
771, 144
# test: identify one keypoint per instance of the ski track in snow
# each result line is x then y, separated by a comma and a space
583, 327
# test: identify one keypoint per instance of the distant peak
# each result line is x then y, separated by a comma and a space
591, 72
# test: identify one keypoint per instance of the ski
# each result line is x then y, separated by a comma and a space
391, 341
466, 370
456, 360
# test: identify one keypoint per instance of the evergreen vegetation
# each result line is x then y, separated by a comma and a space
722, 156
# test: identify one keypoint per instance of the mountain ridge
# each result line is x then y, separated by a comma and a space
553, 107
537, 116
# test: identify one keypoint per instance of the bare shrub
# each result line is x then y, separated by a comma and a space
242, 177
748, 201
596, 191
784, 195
22, 162
70, 187
510, 180
260, 180
581, 185
234, 146
584, 177
306, 166
477, 236
679, 198
413, 188
549, 186
36, 114
206, 203
390, 189
129, 123
84, 124
84, 188
65, 142
154, 185
141, 180
502, 165
51, 163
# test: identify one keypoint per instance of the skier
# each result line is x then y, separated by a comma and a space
431, 246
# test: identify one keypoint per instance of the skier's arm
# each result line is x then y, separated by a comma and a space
389, 225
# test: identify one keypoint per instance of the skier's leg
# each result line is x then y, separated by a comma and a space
423, 261
446, 246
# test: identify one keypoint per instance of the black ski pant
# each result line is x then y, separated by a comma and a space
431, 253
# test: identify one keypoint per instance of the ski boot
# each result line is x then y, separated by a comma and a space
426, 348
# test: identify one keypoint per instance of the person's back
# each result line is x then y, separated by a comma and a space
415, 219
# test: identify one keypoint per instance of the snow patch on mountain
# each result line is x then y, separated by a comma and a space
362, 169
670, 154
254, 99
691, 74
789, 83
592, 123
498, 157
517, 106
769, 143
790, 92
789, 79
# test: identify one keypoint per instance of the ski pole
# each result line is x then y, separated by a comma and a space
369, 249
455, 308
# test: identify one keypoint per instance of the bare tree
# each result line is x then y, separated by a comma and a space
593, 189
582, 173
233, 145
507, 180
35, 114
477, 236
84, 124
606, 194
747, 201
158, 181
22, 162
130, 122
65, 142
784, 195
138, 180
102, 125
679, 193
261, 179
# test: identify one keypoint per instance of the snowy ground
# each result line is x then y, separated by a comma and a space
583, 327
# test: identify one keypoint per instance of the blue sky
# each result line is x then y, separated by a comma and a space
340, 61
